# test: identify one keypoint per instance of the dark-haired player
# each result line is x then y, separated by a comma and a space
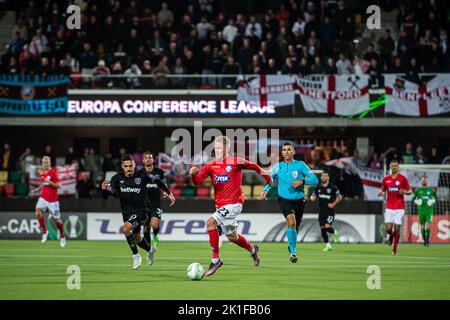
396, 186
130, 187
329, 196
153, 206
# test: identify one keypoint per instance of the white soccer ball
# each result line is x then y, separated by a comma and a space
195, 271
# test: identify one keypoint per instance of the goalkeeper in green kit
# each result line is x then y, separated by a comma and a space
425, 199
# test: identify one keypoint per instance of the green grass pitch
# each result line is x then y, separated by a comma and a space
31, 270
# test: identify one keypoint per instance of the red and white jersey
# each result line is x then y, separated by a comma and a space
392, 186
226, 176
49, 193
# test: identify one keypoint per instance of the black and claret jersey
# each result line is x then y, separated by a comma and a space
326, 195
153, 191
132, 191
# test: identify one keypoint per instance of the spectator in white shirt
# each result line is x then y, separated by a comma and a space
230, 31
203, 28
299, 24
343, 65
253, 28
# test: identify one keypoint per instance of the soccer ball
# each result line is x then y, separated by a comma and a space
195, 271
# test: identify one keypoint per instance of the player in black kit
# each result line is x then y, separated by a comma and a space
130, 187
329, 196
153, 206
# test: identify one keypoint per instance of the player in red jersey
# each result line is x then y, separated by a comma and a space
48, 199
226, 175
396, 186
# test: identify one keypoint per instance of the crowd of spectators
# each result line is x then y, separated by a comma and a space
207, 37
92, 166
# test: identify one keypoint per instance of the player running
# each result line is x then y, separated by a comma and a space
154, 203
292, 176
130, 187
226, 175
425, 198
48, 200
396, 186
329, 196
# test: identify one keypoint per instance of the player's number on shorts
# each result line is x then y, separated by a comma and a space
223, 212
330, 219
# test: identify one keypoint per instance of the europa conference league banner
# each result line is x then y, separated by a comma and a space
24, 225
270, 227
138, 105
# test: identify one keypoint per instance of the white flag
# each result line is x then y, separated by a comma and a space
67, 175
264, 90
335, 94
411, 99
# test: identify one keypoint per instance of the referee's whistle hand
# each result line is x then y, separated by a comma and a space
263, 195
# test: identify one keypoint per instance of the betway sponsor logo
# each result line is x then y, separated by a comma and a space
130, 190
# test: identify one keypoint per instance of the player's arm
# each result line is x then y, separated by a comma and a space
417, 200
253, 166
267, 187
432, 200
309, 177
406, 188
37, 189
110, 188
199, 176
314, 195
164, 188
55, 183
383, 189
336, 201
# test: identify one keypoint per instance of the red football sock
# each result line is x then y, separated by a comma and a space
41, 221
243, 243
214, 242
396, 241
61, 230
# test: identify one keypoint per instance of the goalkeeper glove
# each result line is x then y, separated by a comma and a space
418, 202
431, 202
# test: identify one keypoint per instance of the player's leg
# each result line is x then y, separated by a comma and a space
428, 221
56, 215
300, 209
147, 230
237, 238
128, 228
41, 219
213, 233
397, 228
324, 231
422, 222
155, 221
388, 225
